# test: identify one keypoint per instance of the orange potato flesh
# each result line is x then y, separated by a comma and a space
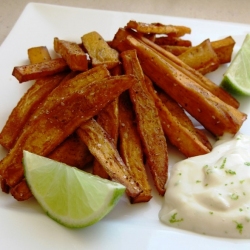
38, 54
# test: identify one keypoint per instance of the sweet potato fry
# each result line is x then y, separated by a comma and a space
25, 107
182, 117
172, 41
175, 50
214, 114
99, 50
201, 57
38, 70
71, 52
148, 121
102, 147
108, 119
193, 74
21, 191
130, 148
38, 54
65, 109
173, 120
158, 28
120, 43
73, 152
224, 49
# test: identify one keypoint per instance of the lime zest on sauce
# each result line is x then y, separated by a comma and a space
223, 163
234, 196
239, 227
174, 220
229, 171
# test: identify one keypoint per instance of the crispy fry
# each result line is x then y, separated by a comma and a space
102, 147
224, 49
99, 50
71, 52
219, 117
4, 187
25, 107
194, 74
182, 117
149, 124
130, 148
175, 50
38, 54
173, 120
64, 110
201, 57
73, 152
21, 191
158, 28
38, 70
108, 119
172, 41
121, 44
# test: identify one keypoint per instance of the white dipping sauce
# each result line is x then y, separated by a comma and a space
210, 194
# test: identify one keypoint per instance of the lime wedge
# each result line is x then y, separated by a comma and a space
72, 197
237, 77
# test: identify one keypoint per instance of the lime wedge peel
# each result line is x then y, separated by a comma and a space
70, 196
236, 79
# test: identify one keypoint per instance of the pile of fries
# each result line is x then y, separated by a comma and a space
116, 104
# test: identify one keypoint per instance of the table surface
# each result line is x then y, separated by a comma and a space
222, 10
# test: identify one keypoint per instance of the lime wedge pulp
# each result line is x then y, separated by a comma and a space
70, 196
237, 77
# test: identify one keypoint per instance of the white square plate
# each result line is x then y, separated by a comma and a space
24, 225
